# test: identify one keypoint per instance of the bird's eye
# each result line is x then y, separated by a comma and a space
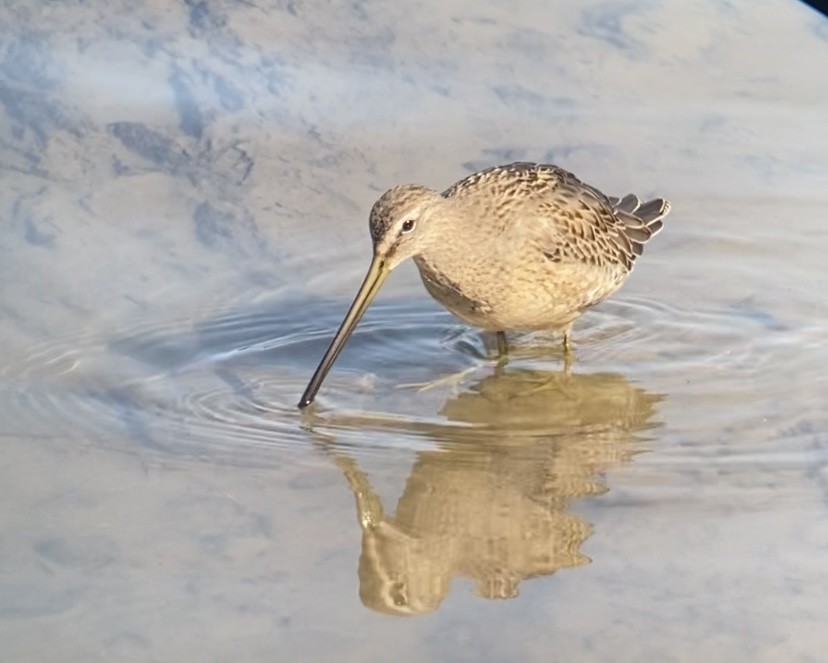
408, 225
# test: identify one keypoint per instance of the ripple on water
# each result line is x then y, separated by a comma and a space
226, 387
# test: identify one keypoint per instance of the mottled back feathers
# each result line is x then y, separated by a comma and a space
572, 220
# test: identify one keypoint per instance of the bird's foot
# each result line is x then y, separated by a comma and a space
453, 380
502, 345
568, 351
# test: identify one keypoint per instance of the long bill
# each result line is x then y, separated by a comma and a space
377, 273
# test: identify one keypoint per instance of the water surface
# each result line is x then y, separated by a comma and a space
186, 190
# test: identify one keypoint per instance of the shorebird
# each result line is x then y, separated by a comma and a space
519, 247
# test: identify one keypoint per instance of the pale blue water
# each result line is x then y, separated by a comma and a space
186, 189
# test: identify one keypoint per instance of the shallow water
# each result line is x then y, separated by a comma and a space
185, 199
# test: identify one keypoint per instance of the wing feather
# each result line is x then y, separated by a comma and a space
571, 221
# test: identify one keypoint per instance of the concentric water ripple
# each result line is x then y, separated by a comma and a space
225, 387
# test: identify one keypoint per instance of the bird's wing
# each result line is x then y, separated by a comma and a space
577, 223
568, 220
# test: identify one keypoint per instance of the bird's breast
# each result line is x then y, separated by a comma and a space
526, 294
457, 292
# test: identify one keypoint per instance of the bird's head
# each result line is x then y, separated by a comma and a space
402, 226
400, 221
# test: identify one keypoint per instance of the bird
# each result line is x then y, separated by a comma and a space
517, 247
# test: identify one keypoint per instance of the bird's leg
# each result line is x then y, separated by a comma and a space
567, 349
502, 345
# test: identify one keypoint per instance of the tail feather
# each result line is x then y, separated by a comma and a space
629, 203
653, 211
650, 213
641, 220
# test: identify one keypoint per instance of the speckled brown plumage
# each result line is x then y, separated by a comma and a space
523, 246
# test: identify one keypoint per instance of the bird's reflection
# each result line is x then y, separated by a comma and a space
490, 503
